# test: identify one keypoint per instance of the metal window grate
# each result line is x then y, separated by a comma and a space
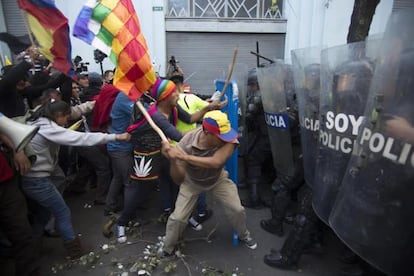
242, 9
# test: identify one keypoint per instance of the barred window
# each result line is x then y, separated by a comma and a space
242, 9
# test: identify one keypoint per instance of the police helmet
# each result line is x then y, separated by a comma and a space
312, 76
313, 69
252, 76
354, 76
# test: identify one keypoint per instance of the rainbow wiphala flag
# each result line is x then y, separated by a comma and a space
112, 26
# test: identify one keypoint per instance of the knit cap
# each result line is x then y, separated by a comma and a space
162, 89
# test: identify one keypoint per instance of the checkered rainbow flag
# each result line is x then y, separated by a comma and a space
112, 26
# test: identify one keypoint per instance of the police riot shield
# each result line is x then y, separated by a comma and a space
275, 94
306, 69
240, 75
374, 210
346, 73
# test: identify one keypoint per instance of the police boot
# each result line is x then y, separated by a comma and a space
292, 249
288, 256
316, 245
274, 225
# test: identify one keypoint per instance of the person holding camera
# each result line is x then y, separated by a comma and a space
81, 70
173, 68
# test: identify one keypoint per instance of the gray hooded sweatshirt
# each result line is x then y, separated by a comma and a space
47, 141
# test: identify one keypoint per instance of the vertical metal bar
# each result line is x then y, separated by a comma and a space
257, 56
193, 8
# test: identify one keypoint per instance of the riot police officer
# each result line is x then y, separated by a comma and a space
285, 185
304, 230
374, 207
256, 149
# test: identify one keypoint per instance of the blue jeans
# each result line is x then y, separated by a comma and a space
201, 203
44, 193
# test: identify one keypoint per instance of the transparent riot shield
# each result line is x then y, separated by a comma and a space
272, 81
240, 76
346, 73
374, 210
306, 69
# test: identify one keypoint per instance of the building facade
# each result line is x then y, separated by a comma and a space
203, 34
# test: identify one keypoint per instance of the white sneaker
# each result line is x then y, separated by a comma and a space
195, 224
250, 242
122, 238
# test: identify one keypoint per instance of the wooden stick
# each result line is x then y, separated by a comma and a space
151, 122
229, 73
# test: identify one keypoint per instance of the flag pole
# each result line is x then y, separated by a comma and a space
151, 122
229, 73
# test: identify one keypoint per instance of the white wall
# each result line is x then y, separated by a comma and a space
152, 25
382, 13
325, 23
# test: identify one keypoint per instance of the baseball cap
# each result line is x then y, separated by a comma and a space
81, 75
217, 122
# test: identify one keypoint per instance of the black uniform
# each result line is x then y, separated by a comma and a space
284, 185
256, 148
305, 231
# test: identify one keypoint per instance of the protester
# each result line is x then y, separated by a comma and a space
14, 223
120, 152
148, 164
192, 103
37, 183
197, 165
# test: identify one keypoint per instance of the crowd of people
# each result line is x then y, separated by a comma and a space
90, 133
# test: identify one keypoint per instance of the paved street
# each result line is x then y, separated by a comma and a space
201, 255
